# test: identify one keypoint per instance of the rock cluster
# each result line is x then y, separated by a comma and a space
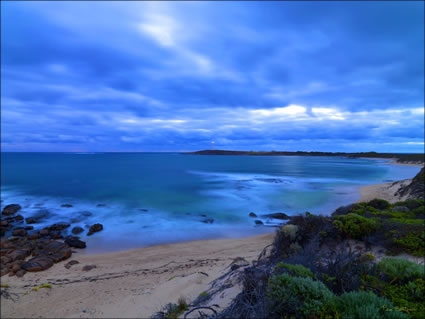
28, 250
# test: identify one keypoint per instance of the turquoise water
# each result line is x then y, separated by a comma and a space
153, 198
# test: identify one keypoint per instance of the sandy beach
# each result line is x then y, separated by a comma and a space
134, 283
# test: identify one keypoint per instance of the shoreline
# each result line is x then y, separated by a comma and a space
132, 283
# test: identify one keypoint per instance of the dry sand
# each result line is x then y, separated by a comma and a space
135, 283
385, 191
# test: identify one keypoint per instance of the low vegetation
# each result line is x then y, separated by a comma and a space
325, 267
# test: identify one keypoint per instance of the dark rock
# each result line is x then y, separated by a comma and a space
11, 209
19, 217
21, 273
4, 223
15, 267
88, 267
31, 220
5, 260
143, 209
252, 214
4, 271
66, 205
258, 222
77, 230
38, 263
34, 236
74, 241
208, 220
44, 232
94, 229
277, 216
18, 254
29, 227
86, 214
55, 234
71, 263
100, 205
55, 250
59, 226
19, 232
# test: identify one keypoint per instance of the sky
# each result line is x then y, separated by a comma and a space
182, 76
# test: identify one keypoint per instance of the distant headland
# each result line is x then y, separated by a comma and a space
414, 158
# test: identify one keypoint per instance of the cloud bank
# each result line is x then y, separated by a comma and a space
176, 76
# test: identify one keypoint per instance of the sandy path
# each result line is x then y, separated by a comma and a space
133, 283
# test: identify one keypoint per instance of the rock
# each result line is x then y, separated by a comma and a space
33, 236
74, 241
277, 216
71, 263
19, 217
94, 229
258, 222
208, 220
15, 267
5, 260
19, 232
20, 273
234, 267
11, 209
4, 271
86, 214
29, 227
31, 220
100, 205
66, 205
38, 263
77, 230
4, 223
88, 267
143, 209
44, 232
58, 226
55, 250
18, 254
252, 214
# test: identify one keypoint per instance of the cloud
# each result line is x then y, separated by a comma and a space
176, 75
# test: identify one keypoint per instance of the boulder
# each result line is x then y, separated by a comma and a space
18, 254
4, 223
20, 273
31, 220
94, 229
258, 222
44, 232
19, 232
88, 267
19, 217
34, 236
77, 230
252, 214
277, 216
59, 226
66, 205
208, 220
29, 227
38, 263
71, 263
74, 241
11, 209
55, 250
15, 267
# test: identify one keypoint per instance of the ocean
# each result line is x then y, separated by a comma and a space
151, 198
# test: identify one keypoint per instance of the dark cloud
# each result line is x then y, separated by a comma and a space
174, 76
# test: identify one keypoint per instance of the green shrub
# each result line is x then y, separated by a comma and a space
355, 226
379, 204
366, 305
295, 270
300, 297
400, 269
411, 203
413, 243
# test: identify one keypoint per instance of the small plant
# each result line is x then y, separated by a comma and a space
203, 294
42, 286
295, 270
355, 226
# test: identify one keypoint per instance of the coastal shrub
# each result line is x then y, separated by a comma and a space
295, 270
299, 297
411, 203
412, 242
379, 204
355, 226
400, 269
366, 305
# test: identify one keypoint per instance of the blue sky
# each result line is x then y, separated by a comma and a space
176, 76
